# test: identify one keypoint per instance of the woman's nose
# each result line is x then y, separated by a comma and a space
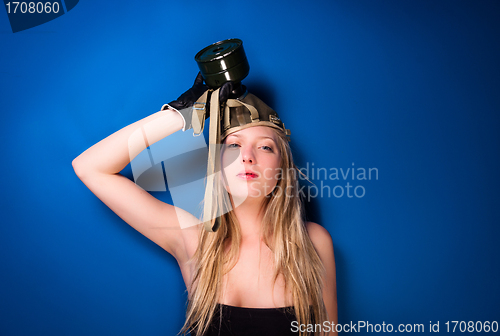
247, 155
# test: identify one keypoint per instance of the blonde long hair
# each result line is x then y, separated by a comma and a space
284, 232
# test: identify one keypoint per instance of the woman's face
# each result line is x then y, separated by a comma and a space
251, 162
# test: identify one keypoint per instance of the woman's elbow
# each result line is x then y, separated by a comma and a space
78, 167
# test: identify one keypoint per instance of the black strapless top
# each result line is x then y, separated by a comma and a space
239, 321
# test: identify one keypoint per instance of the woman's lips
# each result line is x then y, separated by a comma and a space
248, 176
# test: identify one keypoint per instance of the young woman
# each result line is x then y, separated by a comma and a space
264, 271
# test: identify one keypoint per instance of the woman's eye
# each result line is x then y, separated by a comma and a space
233, 145
267, 148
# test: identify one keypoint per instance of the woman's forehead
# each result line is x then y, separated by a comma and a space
254, 132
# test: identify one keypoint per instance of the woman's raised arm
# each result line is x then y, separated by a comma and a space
99, 166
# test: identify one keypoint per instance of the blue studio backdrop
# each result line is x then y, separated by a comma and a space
405, 91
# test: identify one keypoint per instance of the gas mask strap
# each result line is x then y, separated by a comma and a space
199, 113
213, 167
254, 114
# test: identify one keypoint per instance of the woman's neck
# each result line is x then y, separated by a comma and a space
250, 214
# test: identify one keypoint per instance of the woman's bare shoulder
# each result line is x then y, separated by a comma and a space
322, 242
319, 236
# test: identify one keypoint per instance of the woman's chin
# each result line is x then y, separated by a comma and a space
242, 195
241, 192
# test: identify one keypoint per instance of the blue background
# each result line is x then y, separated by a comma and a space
408, 87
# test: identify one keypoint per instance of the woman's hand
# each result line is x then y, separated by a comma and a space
188, 98
184, 104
